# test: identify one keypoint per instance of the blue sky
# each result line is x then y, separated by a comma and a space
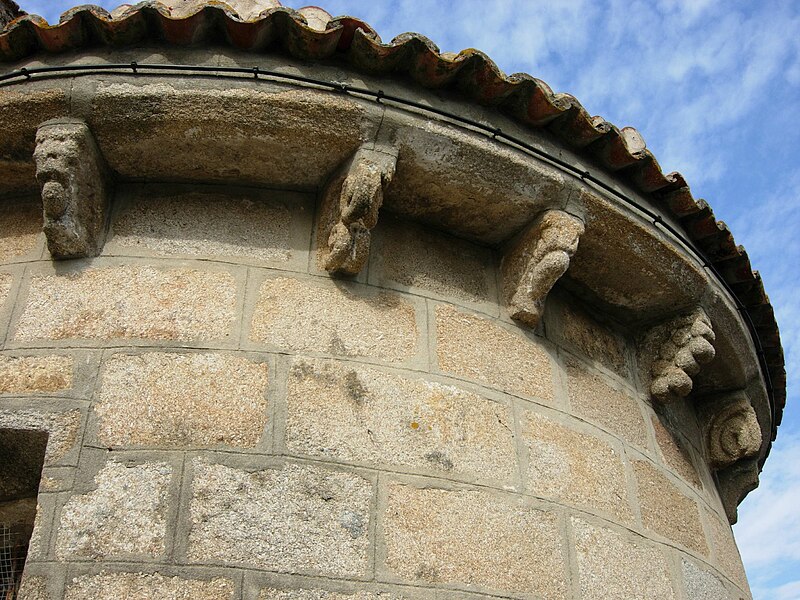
714, 87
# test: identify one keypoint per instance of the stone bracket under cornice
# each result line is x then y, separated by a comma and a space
734, 483
730, 429
349, 209
536, 260
732, 438
672, 353
75, 183
675, 351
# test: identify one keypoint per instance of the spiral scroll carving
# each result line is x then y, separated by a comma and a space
732, 430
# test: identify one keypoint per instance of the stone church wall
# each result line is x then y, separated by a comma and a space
228, 421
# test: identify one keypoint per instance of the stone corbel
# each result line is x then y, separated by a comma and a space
732, 437
679, 348
730, 428
533, 264
75, 187
349, 209
734, 483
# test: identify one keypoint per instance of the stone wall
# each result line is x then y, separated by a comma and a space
227, 421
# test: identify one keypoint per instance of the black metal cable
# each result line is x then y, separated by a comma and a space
26, 74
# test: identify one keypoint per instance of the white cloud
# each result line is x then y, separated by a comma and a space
768, 532
789, 591
774, 247
769, 522
686, 10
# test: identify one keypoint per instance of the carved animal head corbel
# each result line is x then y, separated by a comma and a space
74, 181
533, 264
349, 209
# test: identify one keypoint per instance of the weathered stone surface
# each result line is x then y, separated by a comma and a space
294, 519
205, 224
125, 516
20, 226
675, 452
730, 428
733, 368
681, 417
321, 317
582, 332
613, 567
317, 594
40, 527
725, 553
19, 175
477, 348
144, 586
591, 397
349, 209
62, 428
666, 510
629, 266
675, 351
33, 588
411, 256
700, 584
575, 467
21, 112
129, 302
475, 539
6, 279
533, 264
286, 138
30, 374
75, 188
466, 183
55, 484
734, 483
182, 400
363, 415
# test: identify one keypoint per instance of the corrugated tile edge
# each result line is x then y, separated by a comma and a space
526, 99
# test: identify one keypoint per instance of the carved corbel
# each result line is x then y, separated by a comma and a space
531, 267
349, 209
730, 428
75, 183
734, 483
679, 348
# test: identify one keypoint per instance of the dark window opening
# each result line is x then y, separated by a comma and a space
21, 461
